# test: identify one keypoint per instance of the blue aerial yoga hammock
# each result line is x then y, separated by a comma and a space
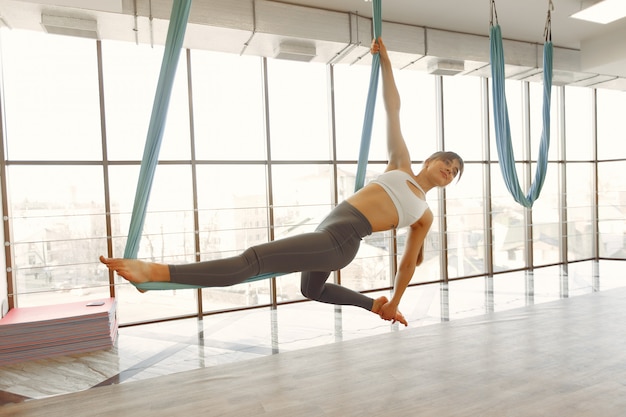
501, 116
368, 120
173, 45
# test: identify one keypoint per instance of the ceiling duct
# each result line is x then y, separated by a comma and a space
295, 51
70, 26
445, 67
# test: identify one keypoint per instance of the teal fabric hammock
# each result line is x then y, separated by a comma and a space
173, 45
501, 116
171, 55
370, 106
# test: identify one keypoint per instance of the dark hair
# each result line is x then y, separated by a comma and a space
448, 156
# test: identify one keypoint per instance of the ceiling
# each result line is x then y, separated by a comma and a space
522, 20
583, 49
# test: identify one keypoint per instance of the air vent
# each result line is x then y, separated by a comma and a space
445, 67
295, 52
70, 26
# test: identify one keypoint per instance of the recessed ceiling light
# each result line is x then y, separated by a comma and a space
604, 12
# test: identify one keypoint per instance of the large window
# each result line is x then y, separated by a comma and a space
611, 124
546, 220
463, 116
350, 94
579, 172
611, 185
611, 212
130, 78
257, 149
418, 113
226, 90
52, 110
466, 224
509, 236
58, 232
298, 110
463, 133
579, 139
57, 209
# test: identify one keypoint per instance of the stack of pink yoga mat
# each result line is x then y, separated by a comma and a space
31, 333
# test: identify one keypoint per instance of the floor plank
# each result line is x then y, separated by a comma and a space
563, 358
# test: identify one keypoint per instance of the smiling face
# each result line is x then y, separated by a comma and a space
443, 167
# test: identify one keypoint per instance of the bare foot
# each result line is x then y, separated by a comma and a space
378, 303
136, 271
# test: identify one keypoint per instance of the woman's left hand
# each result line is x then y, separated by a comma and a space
390, 312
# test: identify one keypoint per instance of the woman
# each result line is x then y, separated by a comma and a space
395, 199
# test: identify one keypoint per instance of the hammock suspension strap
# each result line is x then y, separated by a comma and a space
368, 120
501, 117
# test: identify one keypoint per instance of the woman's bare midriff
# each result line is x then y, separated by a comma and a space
375, 204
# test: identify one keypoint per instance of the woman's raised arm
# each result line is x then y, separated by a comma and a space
397, 150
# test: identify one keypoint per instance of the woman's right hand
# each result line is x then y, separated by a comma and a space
378, 47
375, 47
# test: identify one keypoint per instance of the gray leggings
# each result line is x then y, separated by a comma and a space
332, 246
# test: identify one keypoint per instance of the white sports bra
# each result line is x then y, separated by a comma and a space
409, 206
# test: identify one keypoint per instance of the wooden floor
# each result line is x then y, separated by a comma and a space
563, 358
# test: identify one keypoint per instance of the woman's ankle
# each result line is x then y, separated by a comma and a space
160, 272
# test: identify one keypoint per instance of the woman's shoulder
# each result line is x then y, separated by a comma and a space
403, 165
404, 170
399, 175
